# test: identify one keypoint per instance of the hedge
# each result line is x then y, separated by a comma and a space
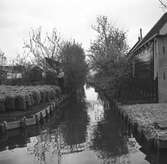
22, 98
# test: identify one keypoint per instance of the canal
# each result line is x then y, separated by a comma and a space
88, 132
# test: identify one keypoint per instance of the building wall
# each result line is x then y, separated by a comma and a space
162, 72
14, 75
143, 71
156, 59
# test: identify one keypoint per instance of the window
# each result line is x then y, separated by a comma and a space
163, 50
164, 76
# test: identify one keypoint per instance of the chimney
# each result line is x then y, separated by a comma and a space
138, 38
141, 37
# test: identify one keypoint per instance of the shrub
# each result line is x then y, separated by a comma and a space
22, 97
32, 99
36, 97
28, 101
57, 90
2, 104
10, 103
20, 102
52, 94
43, 96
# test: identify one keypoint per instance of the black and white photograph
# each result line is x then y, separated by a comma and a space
83, 82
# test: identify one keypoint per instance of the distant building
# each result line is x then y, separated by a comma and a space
35, 74
51, 63
12, 72
149, 61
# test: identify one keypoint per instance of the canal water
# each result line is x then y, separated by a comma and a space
88, 132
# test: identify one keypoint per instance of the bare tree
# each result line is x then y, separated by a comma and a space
22, 59
3, 58
163, 3
43, 46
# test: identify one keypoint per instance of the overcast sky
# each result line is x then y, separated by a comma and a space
72, 18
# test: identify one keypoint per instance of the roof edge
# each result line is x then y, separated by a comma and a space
153, 30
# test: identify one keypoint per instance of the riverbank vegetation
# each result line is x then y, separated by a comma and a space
108, 58
22, 98
151, 118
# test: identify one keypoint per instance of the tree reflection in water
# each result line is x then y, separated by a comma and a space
68, 137
108, 141
43, 146
75, 123
84, 126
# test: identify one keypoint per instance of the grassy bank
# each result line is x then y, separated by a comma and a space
151, 119
23, 98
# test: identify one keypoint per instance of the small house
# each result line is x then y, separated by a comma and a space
12, 72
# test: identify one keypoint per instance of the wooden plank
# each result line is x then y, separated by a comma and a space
13, 125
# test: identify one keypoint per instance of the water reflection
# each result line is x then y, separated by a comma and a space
88, 133
69, 137
74, 124
108, 142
